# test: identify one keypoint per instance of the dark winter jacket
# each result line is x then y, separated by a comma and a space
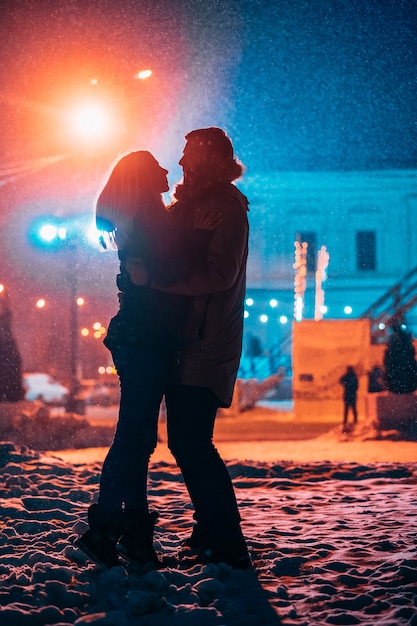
150, 319
211, 340
350, 383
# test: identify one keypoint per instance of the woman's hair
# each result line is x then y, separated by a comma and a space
133, 189
214, 161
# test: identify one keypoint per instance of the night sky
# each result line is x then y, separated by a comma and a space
297, 84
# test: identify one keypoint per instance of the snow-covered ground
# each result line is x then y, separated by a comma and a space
330, 524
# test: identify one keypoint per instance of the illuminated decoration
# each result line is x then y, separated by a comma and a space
273, 303
249, 301
40, 304
300, 280
283, 319
80, 301
263, 319
246, 314
1, 288
321, 277
348, 310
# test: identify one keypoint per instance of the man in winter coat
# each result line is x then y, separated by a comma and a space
211, 342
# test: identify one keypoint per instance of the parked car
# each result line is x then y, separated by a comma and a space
45, 388
100, 393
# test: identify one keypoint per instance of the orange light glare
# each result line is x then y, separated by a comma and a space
97, 325
40, 303
1, 288
85, 332
80, 301
90, 119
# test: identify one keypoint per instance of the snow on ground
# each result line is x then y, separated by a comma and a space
333, 539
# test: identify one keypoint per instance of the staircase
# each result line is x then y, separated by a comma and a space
392, 306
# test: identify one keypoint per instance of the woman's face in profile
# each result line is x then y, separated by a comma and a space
161, 175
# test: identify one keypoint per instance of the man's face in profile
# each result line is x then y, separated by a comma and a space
193, 159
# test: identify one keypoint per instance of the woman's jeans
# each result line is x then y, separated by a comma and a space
191, 413
144, 377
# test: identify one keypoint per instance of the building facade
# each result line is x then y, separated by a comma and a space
366, 220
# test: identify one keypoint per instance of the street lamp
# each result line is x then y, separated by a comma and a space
58, 234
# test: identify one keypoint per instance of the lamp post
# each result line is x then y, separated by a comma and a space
56, 234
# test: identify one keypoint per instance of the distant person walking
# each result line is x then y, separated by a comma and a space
349, 380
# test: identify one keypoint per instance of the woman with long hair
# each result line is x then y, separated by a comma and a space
143, 340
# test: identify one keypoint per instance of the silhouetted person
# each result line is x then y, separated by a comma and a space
143, 340
253, 351
376, 379
349, 380
11, 380
211, 342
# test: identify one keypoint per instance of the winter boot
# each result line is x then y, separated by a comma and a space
227, 545
136, 542
197, 540
100, 540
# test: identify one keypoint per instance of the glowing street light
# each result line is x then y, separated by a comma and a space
90, 123
144, 74
91, 119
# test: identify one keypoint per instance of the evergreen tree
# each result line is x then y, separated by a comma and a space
11, 380
399, 361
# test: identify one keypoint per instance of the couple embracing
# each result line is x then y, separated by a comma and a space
178, 335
